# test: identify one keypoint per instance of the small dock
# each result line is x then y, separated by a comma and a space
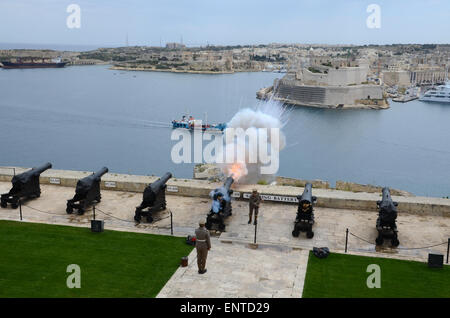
405, 99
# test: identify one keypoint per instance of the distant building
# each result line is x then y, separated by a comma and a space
328, 88
396, 78
174, 45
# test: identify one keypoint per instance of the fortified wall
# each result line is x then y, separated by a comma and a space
327, 88
329, 198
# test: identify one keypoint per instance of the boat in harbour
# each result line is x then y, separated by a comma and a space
195, 124
54, 63
440, 94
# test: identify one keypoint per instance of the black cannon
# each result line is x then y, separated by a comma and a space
154, 199
224, 192
387, 215
86, 192
26, 185
305, 213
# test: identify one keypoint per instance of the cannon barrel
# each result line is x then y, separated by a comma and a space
40, 169
100, 173
386, 194
386, 202
228, 182
158, 184
307, 194
225, 190
26, 176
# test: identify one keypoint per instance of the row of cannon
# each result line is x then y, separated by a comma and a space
26, 185
385, 224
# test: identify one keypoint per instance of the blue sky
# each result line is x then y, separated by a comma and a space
229, 22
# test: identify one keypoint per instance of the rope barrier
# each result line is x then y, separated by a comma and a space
46, 212
154, 221
114, 217
361, 238
105, 213
400, 248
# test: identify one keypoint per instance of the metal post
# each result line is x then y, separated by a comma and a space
256, 227
93, 209
171, 223
346, 240
448, 248
20, 209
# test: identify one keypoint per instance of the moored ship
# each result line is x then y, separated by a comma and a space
439, 94
55, 63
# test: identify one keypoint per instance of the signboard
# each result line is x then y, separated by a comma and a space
172, 188
110, 184
277, 198
236, 195
55, 180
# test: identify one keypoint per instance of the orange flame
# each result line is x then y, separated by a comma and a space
236, 171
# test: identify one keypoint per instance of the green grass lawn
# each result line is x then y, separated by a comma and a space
342, 275
34, 258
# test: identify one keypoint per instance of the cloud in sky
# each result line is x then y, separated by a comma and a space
107, 22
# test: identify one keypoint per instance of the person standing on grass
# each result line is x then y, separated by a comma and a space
203, 245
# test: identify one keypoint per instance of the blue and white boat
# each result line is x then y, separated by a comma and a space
195, 124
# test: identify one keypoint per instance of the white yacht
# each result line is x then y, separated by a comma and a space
437, 94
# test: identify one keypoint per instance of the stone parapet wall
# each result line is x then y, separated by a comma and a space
284, 194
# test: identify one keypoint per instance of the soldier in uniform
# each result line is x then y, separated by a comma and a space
254, 201
203, 245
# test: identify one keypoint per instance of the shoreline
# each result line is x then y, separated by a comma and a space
266, 93
143, 69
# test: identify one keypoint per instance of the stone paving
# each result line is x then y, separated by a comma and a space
238, 270
276, 222
275, 269
117, 209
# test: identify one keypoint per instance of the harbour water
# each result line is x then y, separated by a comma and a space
86, 117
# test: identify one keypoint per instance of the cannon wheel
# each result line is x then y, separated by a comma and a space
395, 242
14, 205
98, 199
137, 218
149, 218
221, 227
379, 240
310, 234
295, 233
81, 211
69, 210
208, 225
3, 204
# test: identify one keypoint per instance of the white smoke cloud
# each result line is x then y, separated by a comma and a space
266, 115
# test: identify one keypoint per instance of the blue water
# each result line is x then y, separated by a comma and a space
85, 117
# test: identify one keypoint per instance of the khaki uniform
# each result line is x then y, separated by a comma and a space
202, 244
254, 201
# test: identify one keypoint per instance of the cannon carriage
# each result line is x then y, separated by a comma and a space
225, 210
86, 192
386, 221
305, 213
24, 185
154, 199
